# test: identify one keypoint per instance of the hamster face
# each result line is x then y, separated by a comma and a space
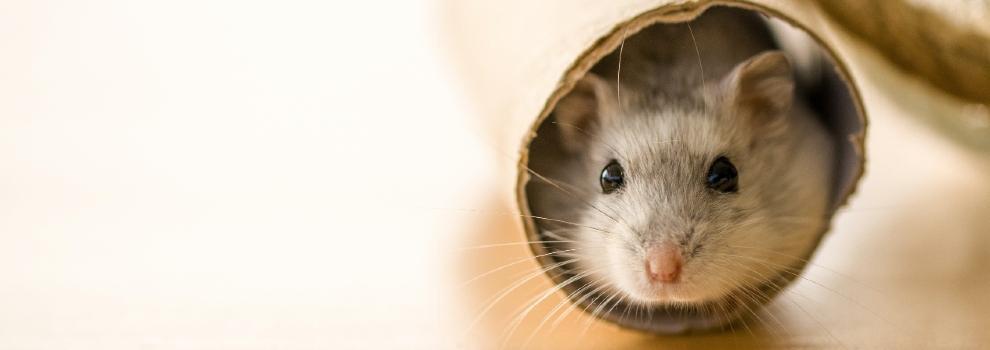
673, 236
693, 203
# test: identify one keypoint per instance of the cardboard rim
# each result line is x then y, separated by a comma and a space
676, 13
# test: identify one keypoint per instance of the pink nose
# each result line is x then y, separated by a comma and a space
663, 263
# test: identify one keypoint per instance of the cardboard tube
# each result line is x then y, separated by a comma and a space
522, 57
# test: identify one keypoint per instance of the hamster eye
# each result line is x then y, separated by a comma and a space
612, 177
722, 176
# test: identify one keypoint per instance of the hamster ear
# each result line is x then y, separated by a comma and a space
581, 111
761, 89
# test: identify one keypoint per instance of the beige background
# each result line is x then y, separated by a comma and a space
302, 175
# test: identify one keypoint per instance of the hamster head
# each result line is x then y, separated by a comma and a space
703, 201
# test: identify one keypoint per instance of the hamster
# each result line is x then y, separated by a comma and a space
693, 186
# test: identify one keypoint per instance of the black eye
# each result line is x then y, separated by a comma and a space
612, 177
722, 176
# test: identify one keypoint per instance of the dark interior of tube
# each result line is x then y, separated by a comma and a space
820, 84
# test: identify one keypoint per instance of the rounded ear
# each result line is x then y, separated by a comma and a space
580, 112
761, 89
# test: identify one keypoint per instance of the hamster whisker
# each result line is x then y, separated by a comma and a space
513, 263
535, 217
718, 309
597, 313
618, 71
508, 244
579, 302
701, 67
491, 302
729, 262
819, 322
558, 187
708, 310
635, 308
743, 296
629, 304
555, 234
546, 318
757, 297
795, 219
562, 233
578, 198
569, 223
899, 206
780, 219
813, 264
791, 271
697, 51
725, 311
538, 299
574, 191
618, 302
831, 290
785, 296
561, 183
559, 231
594, 137
564, 301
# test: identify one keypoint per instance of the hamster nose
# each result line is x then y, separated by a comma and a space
663, 263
